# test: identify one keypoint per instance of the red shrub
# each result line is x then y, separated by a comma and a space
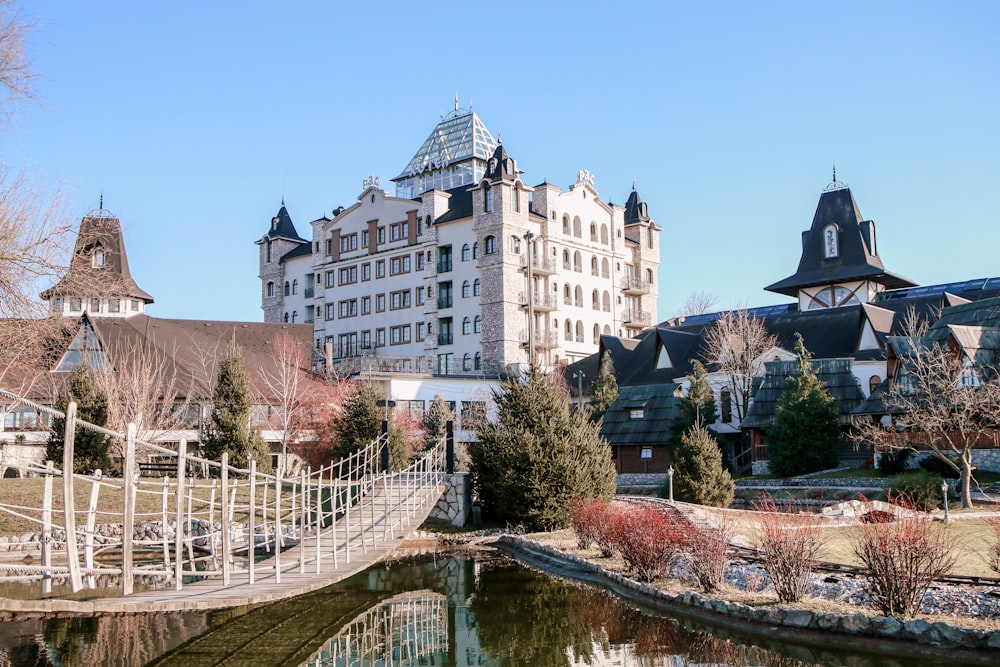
708, 551
594, 521
789, 545
648, 539
993, 546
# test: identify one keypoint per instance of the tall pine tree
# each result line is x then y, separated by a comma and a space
90, 449
229, 427
603, 390
806, 432
361, 422
529, 465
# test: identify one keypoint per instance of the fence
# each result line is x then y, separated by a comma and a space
356, 500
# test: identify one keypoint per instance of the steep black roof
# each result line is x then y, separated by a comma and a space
856, 258
282, 227
635, 208
500, 167
658, 403
837, 378
459, 205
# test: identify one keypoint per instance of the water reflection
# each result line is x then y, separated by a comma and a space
447, 612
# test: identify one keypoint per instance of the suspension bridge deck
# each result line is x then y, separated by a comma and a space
303, 568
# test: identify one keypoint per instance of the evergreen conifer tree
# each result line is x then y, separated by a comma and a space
697, 407
435, 421
529, 465
806, 432
699, 476
603, 390
90, 449
229, 427
361, 422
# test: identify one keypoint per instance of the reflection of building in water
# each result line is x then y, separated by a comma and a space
409, 629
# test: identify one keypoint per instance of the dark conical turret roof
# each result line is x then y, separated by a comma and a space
282, 227
99, 265
635, 208
500, 167
855, 258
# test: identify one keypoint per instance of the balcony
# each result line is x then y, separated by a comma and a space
636, 318
444, 265
544, 340
444, 302
540, 302
445, 339
539, 265
635, 286
310, 292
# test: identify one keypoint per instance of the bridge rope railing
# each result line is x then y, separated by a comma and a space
201, 527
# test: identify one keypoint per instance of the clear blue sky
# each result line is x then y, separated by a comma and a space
194, 119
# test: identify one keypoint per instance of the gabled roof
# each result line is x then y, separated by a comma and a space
100, 236
460, 135
501, 167
856, 257
837, 378
658, 403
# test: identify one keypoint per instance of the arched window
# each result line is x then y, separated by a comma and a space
607, 329
567, 295
606, 302
578, 293
577, 227
268, 247
593, 231
487, 199
475, 287
270, 289
475, 250
466, 326
477, 362
295, 316
515, 245
569, 330
466, 289
649, 276
466, 252
477, 324
515, 196
286, 318
566, 263
578, 262
466, 363
831, 241
596, 299
295, 287
491, 245
873, 383
594, 271
726, 400
605, 268
597, 334
604, 234
288, 289
566, 229
579, 331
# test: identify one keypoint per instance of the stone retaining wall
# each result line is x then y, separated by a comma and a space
455, 504
940, 635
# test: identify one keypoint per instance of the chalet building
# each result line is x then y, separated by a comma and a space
99, 320
847, 308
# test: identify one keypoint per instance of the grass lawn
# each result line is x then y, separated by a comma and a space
28, 493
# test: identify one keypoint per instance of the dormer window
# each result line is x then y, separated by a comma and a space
831, 242
99, 258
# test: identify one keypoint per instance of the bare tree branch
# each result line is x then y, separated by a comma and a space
734, 345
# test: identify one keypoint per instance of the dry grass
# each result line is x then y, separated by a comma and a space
565, 540
22, 493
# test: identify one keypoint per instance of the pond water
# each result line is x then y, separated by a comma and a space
453, 611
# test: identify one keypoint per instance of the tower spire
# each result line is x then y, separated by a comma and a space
100, 206
834, 172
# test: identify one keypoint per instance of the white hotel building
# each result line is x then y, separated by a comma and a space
435, 281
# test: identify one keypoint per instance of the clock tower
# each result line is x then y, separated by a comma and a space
840, 265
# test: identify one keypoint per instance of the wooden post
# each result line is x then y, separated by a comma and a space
47, 529
164, 518
277, 526
302, 520
129, 478
319, 515
211, 525
226, 522
252, 546
179, 515
189, 525
263, 516
88, 547
69, 504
